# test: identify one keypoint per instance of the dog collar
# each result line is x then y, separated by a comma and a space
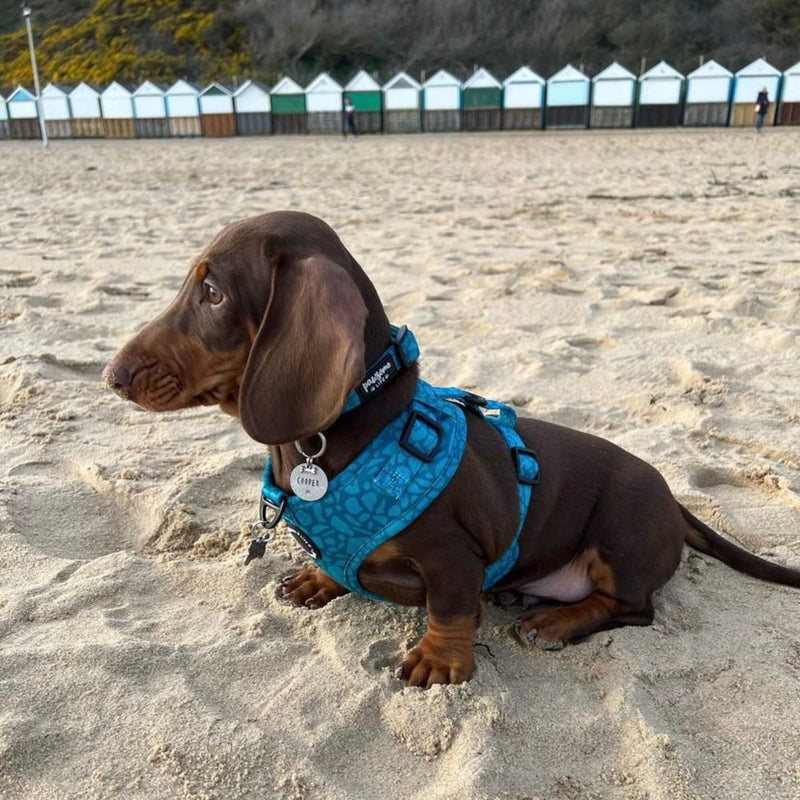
401, 353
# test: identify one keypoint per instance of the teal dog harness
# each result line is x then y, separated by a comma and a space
395, 477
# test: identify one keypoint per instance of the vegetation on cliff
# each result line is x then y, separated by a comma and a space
129, 40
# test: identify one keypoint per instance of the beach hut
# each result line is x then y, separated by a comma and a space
613, 91
23, 120
660, 91
56, 111
3, 118
749, 81
251, 102
87, 119
365, 94
116, 103
324, 105
790, 96
523, 98
217, 117
441, 103
708, 95
401, 104
150, 112
183, 109
482, 100
288, 107
567, 99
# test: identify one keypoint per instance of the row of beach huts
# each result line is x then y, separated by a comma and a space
614, 98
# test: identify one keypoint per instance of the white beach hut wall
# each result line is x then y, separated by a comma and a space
567, 100
482, 102
116, 103
441, 102
660, 96
252, 106
56, 111
748, 82
523, 99
183, 109
150, 111
23, 118
324, 105
3, 118
217, 117
401, 104
288, 107
87, 119
708, 95
365, 95
789, 113
613, 94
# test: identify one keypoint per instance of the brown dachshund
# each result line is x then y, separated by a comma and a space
276, 323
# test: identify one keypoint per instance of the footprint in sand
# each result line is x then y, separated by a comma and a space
61, 515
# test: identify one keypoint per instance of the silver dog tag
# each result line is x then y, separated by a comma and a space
308, 481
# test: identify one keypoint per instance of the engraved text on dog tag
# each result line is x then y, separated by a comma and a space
308, 481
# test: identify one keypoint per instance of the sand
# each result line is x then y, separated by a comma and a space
643, 286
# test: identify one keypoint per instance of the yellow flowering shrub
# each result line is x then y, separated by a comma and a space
130, 40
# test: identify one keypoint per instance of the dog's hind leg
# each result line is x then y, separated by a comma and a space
608, 606
550, 628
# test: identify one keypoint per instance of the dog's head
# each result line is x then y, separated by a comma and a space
273, 323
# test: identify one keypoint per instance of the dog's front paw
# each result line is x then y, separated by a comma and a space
428, 664
310, 587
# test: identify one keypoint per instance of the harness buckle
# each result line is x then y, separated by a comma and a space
527, 465
415, 450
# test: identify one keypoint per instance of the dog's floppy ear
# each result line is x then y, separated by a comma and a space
308, 353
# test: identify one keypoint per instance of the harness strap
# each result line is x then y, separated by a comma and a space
503, 418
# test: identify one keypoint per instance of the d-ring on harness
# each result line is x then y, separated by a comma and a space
392, 481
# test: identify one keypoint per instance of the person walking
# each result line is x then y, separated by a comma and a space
349, 118
762, 106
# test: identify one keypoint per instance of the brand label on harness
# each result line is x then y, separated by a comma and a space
382, 373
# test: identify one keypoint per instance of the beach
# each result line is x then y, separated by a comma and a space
643, 286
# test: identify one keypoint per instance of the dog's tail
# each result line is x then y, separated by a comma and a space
707, 540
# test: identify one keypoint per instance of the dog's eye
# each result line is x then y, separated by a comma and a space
213, 295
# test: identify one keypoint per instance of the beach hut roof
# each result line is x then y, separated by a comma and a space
20, 93
287, 86
183, 87
323, 83
795, 70
441, 78
401, 81
85, 89
711, 69
482, 79
661, 70
248, 84
55, 90
567, 74
150, 87
758, 68
523, 75
363, 82
216, 88
614, 72
117, 88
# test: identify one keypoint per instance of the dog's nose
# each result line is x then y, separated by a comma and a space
118, 377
